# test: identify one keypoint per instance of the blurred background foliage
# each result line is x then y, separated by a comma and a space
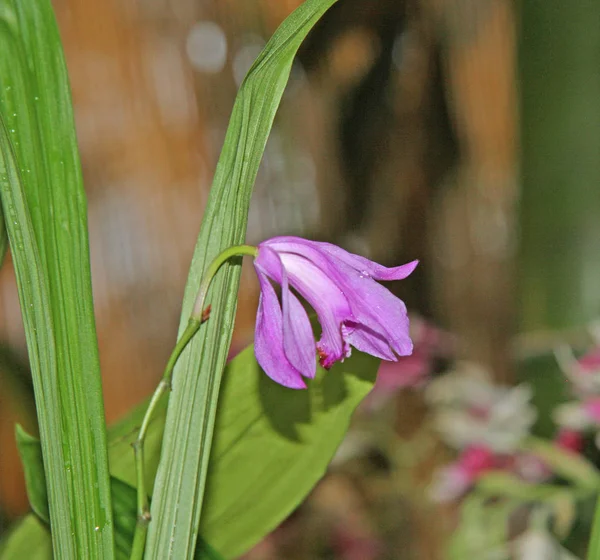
465, 133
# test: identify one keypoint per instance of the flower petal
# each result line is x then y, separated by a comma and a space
449, 483
327, 300
368, 267
268, 344
361, 264
378, 309
368, 341
321, 293
371, 304
298, 338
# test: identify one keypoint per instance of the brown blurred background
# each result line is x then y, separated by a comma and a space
396, 138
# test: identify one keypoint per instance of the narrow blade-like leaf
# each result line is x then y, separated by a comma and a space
181, 477
44, 205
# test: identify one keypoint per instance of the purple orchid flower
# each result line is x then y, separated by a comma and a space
353, 309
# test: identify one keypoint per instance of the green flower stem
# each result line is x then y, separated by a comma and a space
200, 314
235, 251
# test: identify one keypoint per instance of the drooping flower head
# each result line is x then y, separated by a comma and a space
352, 308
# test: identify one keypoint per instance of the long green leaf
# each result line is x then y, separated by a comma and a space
179, 488
45, 210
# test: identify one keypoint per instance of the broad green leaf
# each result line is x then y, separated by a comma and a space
15, 384
272, 445
29, 540
179, 487
30, 452
283, 438
45, 214
123, 500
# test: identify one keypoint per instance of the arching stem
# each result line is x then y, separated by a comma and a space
200, 314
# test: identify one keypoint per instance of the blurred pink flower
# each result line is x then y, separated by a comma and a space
470, 410
571, 440
582, 414
590, 362
592, 408
457, 478
477, 459
347, 545
487, 424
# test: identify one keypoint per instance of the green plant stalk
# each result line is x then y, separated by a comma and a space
200, 315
